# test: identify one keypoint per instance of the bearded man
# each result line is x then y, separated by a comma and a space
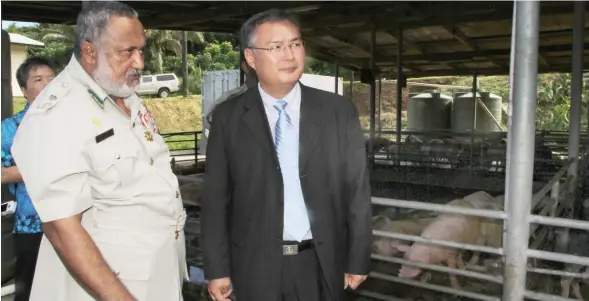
98, 173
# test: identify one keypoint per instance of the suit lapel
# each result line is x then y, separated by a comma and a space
255, 118
310, 125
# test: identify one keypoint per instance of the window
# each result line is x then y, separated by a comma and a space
161, 78
146, 79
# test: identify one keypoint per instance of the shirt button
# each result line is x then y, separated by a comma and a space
177, 194
133, 124
150, 161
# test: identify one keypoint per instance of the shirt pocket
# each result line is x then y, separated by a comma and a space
115, 163
132, 265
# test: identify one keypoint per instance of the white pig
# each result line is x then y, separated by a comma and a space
386, 246
447, 227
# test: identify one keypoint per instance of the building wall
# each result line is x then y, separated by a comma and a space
18, 54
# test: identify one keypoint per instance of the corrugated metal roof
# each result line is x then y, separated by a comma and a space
16, 38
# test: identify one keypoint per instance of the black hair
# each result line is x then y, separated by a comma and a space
22, 73
248, 28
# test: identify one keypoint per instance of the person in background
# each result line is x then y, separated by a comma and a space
99, 173
32, 77
286, 209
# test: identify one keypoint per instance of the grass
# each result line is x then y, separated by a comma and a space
177, 114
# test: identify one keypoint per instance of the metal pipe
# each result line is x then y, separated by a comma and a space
439, 208
559, 222
558, 273
480, 102
241, 71
352, 85
418, 84
433, 287
439, 268
558, 257
375, 295
474, 124
545, 297
576, 95
542, 192
399, 91
379, 106
372, 94
336, 78
185, 79
522, 152
509, 119
444, 243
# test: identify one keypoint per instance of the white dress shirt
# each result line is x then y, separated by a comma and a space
293, 108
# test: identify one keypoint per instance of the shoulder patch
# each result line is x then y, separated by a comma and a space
49, 98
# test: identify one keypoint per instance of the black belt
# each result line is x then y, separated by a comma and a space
294, 247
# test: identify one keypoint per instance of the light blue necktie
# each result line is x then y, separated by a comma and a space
296, 221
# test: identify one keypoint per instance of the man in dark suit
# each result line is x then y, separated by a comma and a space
286, 212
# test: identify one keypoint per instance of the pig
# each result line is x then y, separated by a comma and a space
448, 227
386, 246
491, 230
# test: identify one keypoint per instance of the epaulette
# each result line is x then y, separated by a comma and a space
49, 98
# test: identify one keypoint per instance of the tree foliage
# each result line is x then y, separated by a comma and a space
219, 51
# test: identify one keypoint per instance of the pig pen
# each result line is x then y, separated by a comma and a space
379, 287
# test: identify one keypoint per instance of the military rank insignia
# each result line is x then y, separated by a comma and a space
148, 135
148, 122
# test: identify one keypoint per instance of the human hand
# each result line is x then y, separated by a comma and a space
353, 281
220, 289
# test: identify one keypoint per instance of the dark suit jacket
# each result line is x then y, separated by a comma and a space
242, 201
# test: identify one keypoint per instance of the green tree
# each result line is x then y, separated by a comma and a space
161, 42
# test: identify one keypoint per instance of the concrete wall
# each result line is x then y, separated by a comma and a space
18, 54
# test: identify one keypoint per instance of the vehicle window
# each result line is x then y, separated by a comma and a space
161, 78
146, 79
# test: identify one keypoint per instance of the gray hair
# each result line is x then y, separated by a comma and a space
93, 20
248, 29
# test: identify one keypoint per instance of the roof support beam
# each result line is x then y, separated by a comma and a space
471, 55
464, 39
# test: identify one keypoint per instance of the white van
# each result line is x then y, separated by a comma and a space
159, 84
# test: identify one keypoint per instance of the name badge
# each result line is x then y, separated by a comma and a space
104, 136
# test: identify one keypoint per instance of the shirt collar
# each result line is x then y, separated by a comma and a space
292, 98
100, 97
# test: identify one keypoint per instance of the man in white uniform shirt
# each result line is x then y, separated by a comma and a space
99, 176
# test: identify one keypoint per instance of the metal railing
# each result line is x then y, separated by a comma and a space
183, 146
546, 208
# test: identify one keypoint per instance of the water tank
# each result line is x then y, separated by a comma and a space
428, 111
463, 112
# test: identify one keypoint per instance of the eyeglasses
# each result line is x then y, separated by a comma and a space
279, 48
